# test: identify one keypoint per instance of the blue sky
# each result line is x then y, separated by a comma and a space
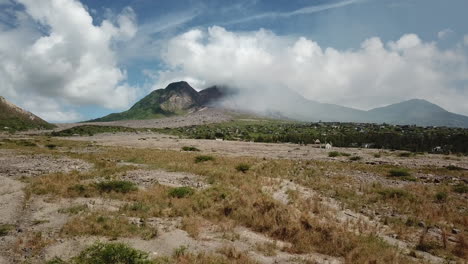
108, 70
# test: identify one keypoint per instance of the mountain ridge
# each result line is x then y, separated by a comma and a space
13, 117
180, 98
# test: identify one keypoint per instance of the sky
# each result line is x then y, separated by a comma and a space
71, 60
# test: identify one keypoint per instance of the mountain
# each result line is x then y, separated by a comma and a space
418, 112
180, 98
177, 98
14, 118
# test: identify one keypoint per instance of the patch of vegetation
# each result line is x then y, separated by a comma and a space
460, 188
243, 167
106, 224
377, 155
393, 193
5, 229
203, 158
441, 196
187, 148
116, 186
333, 154
111, 253
181, 192
405, 154
74, 209
355, 158
399, 172
89, 130
51, 146
454, 168
383, 136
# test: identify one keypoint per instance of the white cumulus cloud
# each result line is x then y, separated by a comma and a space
55, 52
373, 75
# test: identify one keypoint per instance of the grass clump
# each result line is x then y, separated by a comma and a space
405, 154
355, 158
441, 196
203, 158
110, 253
460, 188
400, 172
51, 146
116, 186
333, 154
74, 210
181, 192
187, 148
5, 229
454, 168
243, 167
106, 224
393, 193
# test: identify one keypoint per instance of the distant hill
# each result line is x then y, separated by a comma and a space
14, 118
180, 98
418, 112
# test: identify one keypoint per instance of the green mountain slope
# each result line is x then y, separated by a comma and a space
177, 98
13, 118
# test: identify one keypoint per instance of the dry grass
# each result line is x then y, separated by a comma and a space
107, 224
238, 198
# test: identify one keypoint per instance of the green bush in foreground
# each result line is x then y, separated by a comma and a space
107, 253
116, 186
333, 154
355, 158
181, 192
203, 158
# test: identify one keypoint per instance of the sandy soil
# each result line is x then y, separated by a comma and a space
265, 150
200, 117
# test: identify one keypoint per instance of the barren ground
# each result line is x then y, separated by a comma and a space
43, 216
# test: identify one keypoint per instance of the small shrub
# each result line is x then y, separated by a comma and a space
56, 260
116, 186
203, 158
243, 167
186, 148
180, 251
427, 246
181, 192
51, 146
333, 154
344, 154
78, 188
404, 154
441, 196
355, 158
399, 172
460, 188
5, 229
392, 193
377, 155
110, 253
454, 168
74, 209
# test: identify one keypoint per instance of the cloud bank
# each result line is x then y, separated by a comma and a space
373, 75
55, 54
